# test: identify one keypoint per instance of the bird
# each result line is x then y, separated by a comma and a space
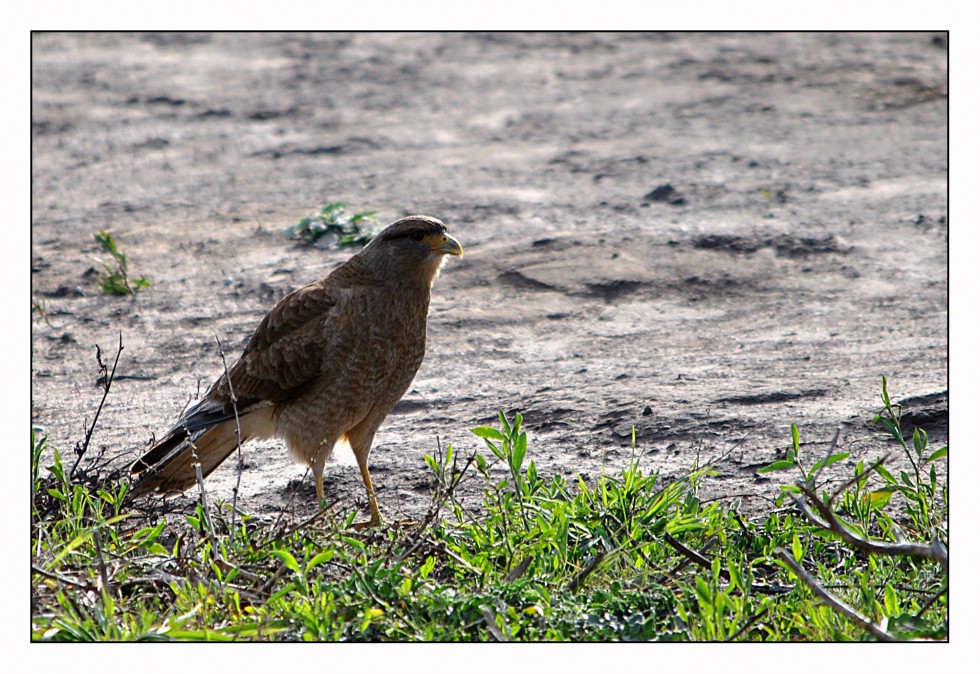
325, 366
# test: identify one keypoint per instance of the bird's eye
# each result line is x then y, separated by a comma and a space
418, 236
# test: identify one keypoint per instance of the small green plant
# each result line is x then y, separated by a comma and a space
855, 539
40, 309
333, 227
38, 443
115, 279
924, 497
520, 556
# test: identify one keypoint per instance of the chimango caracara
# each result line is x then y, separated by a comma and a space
326, 365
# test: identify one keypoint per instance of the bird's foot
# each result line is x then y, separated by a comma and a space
397, 524
369, 524
405, 523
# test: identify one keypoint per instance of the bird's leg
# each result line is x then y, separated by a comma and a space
372, 501
317, 465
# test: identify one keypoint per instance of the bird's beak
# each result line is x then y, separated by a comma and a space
443, 244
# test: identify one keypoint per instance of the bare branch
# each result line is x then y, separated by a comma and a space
830, 452
518, 570
584, 573
932, 601
935, 551
60, 578
238, 435
490, 618
106, 385
690, 554
872, 468
205, 508
702, 561
266, 589
836, 604
299, 526
443, 492
748, 623
103, 576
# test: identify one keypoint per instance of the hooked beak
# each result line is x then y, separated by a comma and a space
443, 244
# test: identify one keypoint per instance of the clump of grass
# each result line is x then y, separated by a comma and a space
333, 227
628, 556
114, 279
39, 308
887, 562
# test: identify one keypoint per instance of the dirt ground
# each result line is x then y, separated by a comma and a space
702, 237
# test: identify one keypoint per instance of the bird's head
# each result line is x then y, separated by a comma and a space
415, 248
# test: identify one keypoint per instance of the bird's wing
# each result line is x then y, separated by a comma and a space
305, 336
285, 354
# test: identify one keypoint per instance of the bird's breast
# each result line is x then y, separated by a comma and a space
388, 343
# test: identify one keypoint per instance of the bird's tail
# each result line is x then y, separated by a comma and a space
170, 466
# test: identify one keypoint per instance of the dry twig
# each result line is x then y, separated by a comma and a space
832, 601
106, 380
830, 452
490, 618
692, 555
827, 519
744, 628
584, 573
240, 466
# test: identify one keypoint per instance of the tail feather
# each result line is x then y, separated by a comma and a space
170, 466
159, 451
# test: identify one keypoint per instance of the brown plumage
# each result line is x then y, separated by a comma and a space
326, 365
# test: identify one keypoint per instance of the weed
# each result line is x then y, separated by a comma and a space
332, 227
631, 556
115, 279
40, 308
858, 519
38, 443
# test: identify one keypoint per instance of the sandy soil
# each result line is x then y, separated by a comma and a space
702, 237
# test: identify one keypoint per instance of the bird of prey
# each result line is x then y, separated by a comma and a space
326, 365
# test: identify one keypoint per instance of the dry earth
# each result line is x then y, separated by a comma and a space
702, 237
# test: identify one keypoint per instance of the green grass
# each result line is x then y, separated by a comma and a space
630, 557
114, 278
333, 227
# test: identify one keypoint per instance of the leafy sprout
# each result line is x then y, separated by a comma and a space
334, 227
115, 279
